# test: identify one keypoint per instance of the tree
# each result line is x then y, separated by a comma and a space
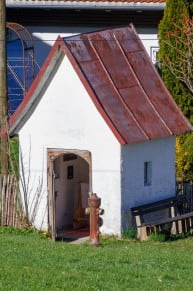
184, 157
175, 54
176, 59
180, 40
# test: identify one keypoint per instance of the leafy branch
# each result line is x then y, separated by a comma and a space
180, 62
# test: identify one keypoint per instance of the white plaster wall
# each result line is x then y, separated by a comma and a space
67, 118
44, 37
162, 154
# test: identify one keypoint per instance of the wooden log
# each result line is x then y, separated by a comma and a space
3, 200
0, 199
15, 191
7, 200
11, 206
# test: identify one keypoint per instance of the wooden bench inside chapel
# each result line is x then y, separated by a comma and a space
170, 213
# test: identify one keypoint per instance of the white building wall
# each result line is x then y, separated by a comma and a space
162, 154
66, 118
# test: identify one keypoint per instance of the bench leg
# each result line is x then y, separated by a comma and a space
141, 230
180, 226
173, 228
142, 233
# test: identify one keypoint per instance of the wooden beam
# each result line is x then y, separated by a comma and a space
3, 89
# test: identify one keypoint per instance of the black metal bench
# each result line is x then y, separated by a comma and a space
169, 211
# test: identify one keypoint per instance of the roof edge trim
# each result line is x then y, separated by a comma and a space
91, 5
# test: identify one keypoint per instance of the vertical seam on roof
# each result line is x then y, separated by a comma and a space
92, 94
140, 85
117, 91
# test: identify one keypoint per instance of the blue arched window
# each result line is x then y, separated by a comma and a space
21, 66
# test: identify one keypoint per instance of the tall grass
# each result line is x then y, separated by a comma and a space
31, 263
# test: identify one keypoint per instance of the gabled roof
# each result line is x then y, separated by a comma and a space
124, 85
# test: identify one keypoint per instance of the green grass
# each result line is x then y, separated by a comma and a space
29, 262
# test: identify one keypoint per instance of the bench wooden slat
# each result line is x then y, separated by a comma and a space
155, 206
169, 220
172, 204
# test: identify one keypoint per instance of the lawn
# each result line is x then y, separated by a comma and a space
29, 262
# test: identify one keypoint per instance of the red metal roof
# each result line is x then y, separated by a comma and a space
124, 85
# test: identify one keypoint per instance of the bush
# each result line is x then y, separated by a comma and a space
184, 158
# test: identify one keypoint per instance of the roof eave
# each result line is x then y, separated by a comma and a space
90, 5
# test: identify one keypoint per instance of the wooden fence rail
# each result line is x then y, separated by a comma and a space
10, 202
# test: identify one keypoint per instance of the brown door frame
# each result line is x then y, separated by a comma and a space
53, 154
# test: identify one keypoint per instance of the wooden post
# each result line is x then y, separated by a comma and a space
143, 233
172, 214
3, 89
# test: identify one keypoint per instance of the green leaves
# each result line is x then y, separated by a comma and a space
176, 57
184, 157
176, 53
